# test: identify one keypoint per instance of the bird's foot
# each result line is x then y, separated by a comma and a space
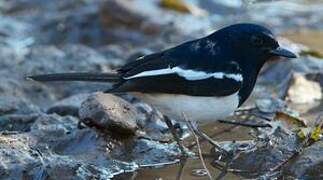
185, 153
207, 138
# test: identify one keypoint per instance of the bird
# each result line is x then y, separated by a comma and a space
206, 79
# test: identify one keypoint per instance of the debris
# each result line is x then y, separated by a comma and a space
181, 6
177, 5
313, 53
290, 120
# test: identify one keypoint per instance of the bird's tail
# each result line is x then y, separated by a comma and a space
95, 77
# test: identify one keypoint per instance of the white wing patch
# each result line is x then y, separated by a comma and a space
187, 74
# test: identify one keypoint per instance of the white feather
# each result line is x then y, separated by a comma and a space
188, 74
196, 108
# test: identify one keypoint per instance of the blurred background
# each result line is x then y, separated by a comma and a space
45, 36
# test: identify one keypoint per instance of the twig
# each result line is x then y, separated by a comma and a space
214, 135
223, 131
245, 109
245, 124
227, 165
189, 123
153, 139
204, 136
181, 168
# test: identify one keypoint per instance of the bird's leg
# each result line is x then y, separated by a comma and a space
207, 138
184, 154
175, 135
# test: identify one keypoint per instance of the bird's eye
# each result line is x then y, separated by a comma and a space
257, 40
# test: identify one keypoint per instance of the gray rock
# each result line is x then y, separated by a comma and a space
16, 123
270, 105
52, 146
109, 112
68, 106
15, 87
308, 165
14, 105
272, 147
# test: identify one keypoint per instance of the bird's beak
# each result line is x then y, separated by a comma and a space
282, 52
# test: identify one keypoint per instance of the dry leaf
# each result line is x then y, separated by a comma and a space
181, 6
290, 120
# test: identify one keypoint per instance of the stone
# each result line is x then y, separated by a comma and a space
272, 147
109, 112
303, 90
308, 165
69, 105
54, 145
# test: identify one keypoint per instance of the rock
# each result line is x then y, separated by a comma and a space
128, 16
280, 71
69, 105
109, 112
272, 147
45, 146
161, 154
17, 123
270, 105
13, 105
303, 90
308, 165
52, 146
65, 59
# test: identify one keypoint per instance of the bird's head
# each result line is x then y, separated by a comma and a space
251, 42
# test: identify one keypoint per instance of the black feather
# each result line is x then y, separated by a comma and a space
103, 77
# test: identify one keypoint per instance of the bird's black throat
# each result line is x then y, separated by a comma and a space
250, 73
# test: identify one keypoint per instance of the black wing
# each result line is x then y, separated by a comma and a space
197, 56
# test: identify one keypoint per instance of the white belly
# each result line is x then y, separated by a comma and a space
196, 108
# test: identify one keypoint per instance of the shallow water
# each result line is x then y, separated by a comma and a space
219, 132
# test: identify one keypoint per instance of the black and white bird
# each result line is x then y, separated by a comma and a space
206, 79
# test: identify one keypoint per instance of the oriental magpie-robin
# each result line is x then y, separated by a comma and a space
206, 79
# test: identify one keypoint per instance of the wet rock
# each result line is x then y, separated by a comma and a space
308, 165
109, 112
318, 77
143, 20
68, 106
303, 90
280, 71
54, 146
12, 105
17, 123
47, 59
271, 105
128, 16
161, 154
257, 157
66, 21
